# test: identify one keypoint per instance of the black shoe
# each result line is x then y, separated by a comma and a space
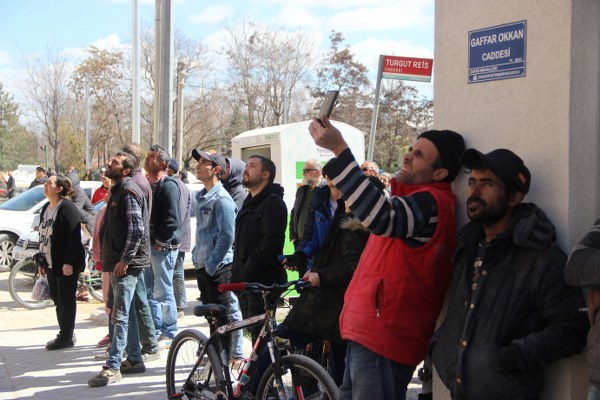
59, 343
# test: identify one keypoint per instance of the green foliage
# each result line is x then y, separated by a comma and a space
17, 145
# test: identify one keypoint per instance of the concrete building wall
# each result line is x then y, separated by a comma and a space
550, 118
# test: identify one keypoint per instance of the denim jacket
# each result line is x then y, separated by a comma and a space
215, 224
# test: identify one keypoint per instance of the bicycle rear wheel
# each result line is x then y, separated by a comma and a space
187, 377
300, 378
20, 285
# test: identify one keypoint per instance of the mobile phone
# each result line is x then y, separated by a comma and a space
327, 105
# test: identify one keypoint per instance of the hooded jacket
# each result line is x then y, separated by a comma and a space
317, 311
519, 317
233, 184
583, 270
259, 237
83, 203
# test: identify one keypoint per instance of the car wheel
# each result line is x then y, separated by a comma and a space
7, 243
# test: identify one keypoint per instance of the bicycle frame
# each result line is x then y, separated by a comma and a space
218, 339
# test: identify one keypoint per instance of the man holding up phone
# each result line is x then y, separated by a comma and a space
395, 296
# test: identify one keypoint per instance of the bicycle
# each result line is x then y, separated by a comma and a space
25, 273
198, 367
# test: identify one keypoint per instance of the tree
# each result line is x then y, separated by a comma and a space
267, 66
17, 145
339, 71
103, 73
403, 114
47, 95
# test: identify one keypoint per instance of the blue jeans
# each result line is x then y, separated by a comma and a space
593, 393
142, 319
162, 299
123, 288
371, 376
179, 282
237, 337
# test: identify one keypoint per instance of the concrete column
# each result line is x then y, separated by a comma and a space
550, 118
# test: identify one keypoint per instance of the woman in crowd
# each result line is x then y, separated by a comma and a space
64, 256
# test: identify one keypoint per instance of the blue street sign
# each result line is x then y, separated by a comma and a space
497, 52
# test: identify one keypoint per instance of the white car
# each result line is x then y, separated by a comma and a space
17, 214
28, 242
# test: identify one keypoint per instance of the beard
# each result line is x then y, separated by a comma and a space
309, 181
112, 174
481, 211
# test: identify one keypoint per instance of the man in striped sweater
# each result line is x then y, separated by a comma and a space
395, 296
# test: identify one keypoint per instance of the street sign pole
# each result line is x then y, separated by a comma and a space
371, 148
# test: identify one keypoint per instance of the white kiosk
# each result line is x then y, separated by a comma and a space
289, 146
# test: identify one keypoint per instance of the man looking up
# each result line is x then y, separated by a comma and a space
165, 239
312, 179
215, 222
125, 253
370, 168
397, 291
510, 312
259, 234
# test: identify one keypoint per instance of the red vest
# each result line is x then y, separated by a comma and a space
397, 292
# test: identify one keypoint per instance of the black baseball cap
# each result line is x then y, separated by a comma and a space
501, 162
41, 169
216, 158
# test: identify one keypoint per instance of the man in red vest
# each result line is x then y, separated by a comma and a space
395, 296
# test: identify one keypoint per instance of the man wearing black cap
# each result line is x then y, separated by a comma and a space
510, 312
40, 177
398, 288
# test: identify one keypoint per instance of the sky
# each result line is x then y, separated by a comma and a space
371, 27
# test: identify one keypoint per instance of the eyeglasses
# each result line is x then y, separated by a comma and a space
307, 170
365, 169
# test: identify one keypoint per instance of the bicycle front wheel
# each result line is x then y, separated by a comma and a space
187, 376
299, 378
93, 281
20, 285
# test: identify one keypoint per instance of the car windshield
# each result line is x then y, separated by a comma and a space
25, 200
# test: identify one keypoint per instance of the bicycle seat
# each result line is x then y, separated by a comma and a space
210, 311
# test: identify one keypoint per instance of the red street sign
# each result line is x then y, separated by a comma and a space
407, 68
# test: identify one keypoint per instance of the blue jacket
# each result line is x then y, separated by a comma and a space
215, 225
318, 223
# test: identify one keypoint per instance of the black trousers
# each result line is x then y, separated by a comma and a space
209, 293
62, 291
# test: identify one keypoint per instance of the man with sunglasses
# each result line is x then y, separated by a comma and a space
370, 168
312, 179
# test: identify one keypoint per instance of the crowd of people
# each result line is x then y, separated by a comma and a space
384, 251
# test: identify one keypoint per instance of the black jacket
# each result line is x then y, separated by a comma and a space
66, 247
259, 238
520, 317
165, 226
317, 311
114, 230
302, 192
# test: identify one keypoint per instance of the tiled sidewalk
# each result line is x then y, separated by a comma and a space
29, 371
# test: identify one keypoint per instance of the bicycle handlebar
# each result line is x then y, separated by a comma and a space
259, 287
